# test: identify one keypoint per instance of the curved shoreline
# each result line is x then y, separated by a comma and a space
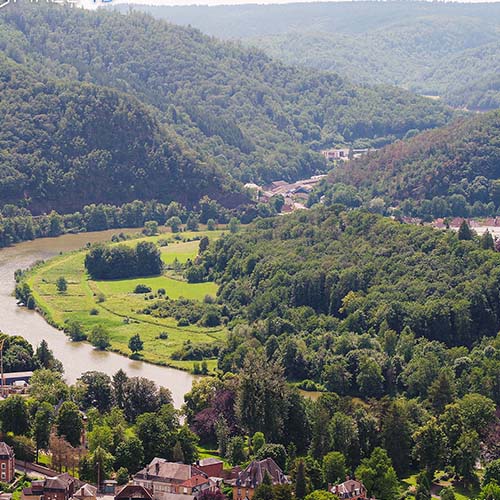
76, 357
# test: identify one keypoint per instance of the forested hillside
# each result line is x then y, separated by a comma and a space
64, 145
356, 270
360, 303
442, 49
451, 171
259, 119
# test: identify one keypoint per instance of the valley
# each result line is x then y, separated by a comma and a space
250, 252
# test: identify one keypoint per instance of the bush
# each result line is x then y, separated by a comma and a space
101, 298
74, 330
163, 336
61, 284
99, 337
30, 303
94, 312
211, 318
140, 288
122, 476
183, 322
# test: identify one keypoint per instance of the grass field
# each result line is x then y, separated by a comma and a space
120, 310
460, 493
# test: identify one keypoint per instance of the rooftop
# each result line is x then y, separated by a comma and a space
134, 491
254, 474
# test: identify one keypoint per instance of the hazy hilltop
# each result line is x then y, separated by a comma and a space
451, 50
450, 171
257, 118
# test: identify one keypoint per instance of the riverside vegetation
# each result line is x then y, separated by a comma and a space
111, 310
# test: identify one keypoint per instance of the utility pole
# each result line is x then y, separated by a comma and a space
1, 364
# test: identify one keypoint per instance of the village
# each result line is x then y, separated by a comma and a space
207, 479
294, 194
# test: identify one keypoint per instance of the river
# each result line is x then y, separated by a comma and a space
77, 357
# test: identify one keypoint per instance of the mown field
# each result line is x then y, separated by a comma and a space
119, 309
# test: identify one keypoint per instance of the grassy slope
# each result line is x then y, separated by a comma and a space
121, 303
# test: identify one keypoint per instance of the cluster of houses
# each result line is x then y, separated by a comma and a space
164, 480
295, 194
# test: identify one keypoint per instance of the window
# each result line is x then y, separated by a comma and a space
3, 466
3, 475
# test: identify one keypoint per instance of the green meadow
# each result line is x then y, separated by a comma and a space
119, 309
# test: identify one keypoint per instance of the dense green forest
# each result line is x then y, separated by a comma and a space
442, 49
451, 171
255, 118
64, 145
355, 272
404, 317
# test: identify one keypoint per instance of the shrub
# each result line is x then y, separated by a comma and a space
94, 312
61, 284
140, 288
122, 476
99, 337
183, 322
30, 303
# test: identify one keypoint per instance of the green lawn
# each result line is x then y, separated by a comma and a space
120, 312
460, 493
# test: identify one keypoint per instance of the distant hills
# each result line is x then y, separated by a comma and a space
450, 171
237, 110
64, 145
451, 50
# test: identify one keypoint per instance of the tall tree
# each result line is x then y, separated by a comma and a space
300, 480
14, 415
379, 476
69, 423
42, 425
430, 446
261, 398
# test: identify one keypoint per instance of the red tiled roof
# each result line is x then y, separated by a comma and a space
194, 481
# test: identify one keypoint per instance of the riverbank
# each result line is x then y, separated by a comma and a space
77, 357
114, 305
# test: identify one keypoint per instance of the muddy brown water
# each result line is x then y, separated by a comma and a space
77, 357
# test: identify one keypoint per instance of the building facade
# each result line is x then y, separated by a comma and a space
7, 463
172, 481
247, 481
